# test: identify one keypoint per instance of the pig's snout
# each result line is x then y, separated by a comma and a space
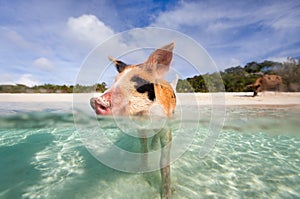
101, 105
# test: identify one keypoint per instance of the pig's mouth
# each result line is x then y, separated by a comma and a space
101, 106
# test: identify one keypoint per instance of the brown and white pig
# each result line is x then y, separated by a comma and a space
136, 90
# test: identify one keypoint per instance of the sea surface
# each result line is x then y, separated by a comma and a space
50, 150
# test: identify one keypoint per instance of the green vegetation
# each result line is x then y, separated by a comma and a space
235, 79
50, 88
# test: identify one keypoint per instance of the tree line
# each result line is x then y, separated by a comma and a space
233, 79
237, 79
50, 88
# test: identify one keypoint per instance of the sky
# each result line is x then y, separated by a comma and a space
44, 41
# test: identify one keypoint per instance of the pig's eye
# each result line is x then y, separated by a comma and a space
143, 86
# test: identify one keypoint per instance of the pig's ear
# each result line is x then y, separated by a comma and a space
159, 61
118, 64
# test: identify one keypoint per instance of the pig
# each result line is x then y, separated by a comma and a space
136, 90
265, 83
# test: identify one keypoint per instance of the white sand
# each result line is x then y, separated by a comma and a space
267, 98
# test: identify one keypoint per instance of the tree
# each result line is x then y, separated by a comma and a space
183, 86
101, 87
198, 84
253, 67
236, 70
290, 72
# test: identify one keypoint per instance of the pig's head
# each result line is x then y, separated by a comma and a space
138, 87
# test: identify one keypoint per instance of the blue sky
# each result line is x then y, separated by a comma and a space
47, 41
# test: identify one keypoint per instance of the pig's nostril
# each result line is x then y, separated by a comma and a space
102, 102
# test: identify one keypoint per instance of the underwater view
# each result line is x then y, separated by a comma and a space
44, 154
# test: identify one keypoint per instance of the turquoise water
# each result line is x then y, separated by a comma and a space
257, 155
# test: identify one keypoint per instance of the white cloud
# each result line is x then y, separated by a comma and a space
277, 59
88, 30
218, 16
43, 64
26, 79
201, 15
280, 16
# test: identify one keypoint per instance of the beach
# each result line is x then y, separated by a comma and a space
230, 99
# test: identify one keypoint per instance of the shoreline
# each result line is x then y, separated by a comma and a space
228, 99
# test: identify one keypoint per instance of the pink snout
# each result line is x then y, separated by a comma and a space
102, 104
